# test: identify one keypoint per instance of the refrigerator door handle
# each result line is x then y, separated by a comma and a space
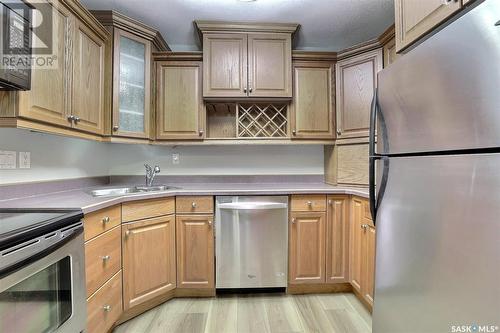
374, 198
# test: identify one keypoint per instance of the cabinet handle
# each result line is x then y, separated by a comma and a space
193, 204
71, 118
106, 258
105, 219
115, 128
200, 133
293, 220
106, 308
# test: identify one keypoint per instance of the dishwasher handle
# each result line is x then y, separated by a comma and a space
252, 205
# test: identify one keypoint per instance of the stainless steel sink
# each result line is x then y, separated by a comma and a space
115, 191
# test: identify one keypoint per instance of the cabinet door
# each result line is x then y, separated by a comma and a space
49, 97
131, 85
269, 65
356, 243
148, 259
312, 107
415, 18
225, 71
180, 110
337, 239
307, 247
195, 251
88, 80
368, 267
356, 83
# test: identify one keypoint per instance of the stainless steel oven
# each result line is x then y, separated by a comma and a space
42, 272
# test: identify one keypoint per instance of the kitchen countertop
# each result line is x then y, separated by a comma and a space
81, 198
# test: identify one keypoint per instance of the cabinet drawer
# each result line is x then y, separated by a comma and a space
105, 306
195, 204
143, 209
308, 203
102, 258
96, 223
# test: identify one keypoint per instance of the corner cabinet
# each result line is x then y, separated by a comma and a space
312, 109
246, 60
356, 83
415, 18
180, 113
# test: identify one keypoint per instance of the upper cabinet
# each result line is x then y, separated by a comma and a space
131, 74
356, 83
70, 93
180, 113
242, 60
312, 109
415, 18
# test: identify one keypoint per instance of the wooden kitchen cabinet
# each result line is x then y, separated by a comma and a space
195, 251
149, 268
270, 65
180, 111
312, 110
415, 18
105, 306
355, 85
307, 247
337, 239
362, 261
225, 72
88, 80
242, 60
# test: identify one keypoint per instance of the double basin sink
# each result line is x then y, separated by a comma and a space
115, 191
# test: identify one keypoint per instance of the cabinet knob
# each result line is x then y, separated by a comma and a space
106, 258
294, 132
250, 90
364, 226
77, 119
127, 233
105, 219
245, 90
106, 308
309, 203
210, 223
71, 118
339, 132
193, 204
115, 128
293, 220
330, 202
200, 133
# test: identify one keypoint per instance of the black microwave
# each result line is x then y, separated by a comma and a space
15, 45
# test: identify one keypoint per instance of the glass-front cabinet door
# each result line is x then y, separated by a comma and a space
131, 85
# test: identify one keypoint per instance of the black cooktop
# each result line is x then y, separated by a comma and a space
20, 225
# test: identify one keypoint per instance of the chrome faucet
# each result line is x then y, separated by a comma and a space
150, 174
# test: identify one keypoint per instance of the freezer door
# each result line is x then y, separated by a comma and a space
444, 94
438, 245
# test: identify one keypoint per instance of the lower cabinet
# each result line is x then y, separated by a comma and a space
148, 259
362, 261
337, 239
307, 247
195, 251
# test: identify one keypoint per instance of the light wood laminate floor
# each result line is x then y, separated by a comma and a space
331, 313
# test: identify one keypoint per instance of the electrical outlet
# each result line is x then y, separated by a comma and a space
7, 159
176, 159
24, 160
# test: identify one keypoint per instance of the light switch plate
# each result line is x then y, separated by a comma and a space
24, 160
176, 158
7, 159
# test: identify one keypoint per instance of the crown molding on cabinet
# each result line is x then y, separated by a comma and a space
178, 56
387, 35
84, 15
123, 22
304, 55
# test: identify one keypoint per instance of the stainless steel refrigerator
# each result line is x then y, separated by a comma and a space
436, 166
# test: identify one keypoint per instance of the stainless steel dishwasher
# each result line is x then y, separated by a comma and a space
251, 235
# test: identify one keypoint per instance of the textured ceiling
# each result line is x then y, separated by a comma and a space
329, 25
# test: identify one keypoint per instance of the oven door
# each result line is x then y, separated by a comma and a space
48, 294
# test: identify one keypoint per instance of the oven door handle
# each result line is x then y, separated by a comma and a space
23, 254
